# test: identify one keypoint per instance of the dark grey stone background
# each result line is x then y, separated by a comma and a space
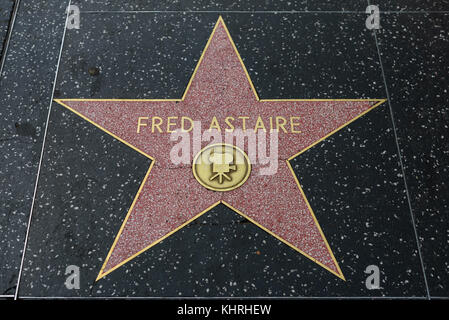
262, 5
25, 89
6, 7
414, 54
353, 180
412, 5
225, 5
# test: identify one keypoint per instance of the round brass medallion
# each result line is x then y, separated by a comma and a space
221, 167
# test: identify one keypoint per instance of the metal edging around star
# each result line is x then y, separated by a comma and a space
101, 274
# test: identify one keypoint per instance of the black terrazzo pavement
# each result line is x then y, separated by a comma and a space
6, 7
353, 180
412, 5
226, 5
415, 59
25, 89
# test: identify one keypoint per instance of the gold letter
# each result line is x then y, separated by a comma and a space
284, 121
140, 124
182, 124
170, 124
259, 125
231, 126
157, 125
293, 124
244, 122
214, 124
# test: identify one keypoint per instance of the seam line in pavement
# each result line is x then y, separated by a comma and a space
42, 155
418, 244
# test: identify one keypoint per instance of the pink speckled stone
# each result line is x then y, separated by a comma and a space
171, 195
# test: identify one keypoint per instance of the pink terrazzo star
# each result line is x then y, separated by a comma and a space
169, 199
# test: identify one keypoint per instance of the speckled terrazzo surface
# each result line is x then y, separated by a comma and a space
353, 180
6, 7
25, 90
